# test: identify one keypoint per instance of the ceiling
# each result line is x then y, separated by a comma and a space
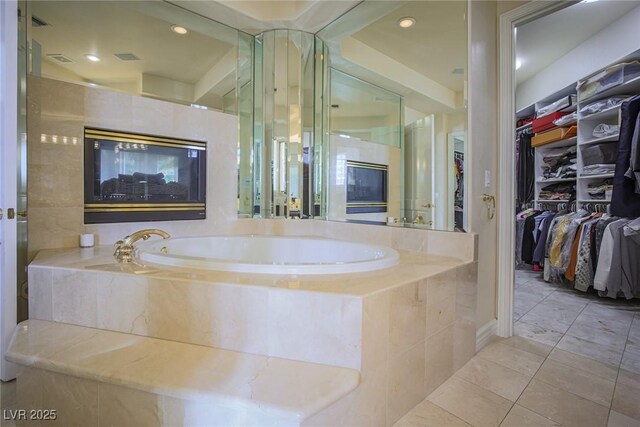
542, 42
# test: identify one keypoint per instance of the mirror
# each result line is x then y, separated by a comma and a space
385, 78
138, 47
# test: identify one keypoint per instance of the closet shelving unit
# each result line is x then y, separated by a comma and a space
584, 139
541, 151
586, 125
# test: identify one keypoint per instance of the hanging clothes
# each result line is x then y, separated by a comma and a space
633, 172
525, 174
625, 202
624, 271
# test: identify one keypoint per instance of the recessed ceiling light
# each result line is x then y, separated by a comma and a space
179, 30
92, 58
406, 22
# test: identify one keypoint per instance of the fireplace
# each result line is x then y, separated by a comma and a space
134, 177
366, 187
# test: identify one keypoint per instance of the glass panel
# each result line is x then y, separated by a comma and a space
245, 118
135, 172
364, 111
21, 225
284, 103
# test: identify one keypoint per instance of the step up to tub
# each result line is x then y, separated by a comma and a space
188, 384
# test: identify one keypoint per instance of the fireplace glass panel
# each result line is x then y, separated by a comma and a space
366, 187
133, 177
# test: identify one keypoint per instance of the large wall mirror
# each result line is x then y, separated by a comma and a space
146, 48
397, 117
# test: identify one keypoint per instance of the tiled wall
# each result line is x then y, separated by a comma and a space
414, 337
58, 113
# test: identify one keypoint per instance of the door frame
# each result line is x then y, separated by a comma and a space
8, 178
506, 159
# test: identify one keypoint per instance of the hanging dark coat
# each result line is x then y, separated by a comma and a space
625, 202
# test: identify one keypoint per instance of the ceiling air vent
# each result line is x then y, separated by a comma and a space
37, 22
59, 57
127, 56
458, 70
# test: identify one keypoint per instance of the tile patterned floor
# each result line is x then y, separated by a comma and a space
575, 361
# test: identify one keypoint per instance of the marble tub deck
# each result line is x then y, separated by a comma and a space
403, 330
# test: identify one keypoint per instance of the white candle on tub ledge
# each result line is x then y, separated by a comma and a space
86, 241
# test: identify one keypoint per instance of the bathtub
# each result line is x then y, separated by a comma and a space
266, 254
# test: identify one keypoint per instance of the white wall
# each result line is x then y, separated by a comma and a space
609, 45
482, 135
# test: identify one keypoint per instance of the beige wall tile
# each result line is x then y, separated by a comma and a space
441, 301
439, 365
561, 406
467, 292
365, 406
178, 412
124, 407
407, 385
75, 297
375, 331
464, 342
315, 327
75, 400
29, 393
40, 296
408, 316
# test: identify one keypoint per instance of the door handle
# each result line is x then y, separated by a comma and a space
1, 213
11, 213
429, 205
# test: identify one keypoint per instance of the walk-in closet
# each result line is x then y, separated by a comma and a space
577, 244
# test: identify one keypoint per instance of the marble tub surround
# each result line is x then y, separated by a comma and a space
259, 387
406, 329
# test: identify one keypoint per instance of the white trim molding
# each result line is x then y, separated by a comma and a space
506, 159
485, 334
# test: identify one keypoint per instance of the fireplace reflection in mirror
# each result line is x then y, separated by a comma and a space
366, 187
135, 177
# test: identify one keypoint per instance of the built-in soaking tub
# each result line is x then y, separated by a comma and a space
267, 254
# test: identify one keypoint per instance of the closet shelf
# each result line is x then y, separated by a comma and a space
630, 87
553, 201
599, 140
552, 180
523, 127
604, 175
559, 144
595, 201
604, 114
